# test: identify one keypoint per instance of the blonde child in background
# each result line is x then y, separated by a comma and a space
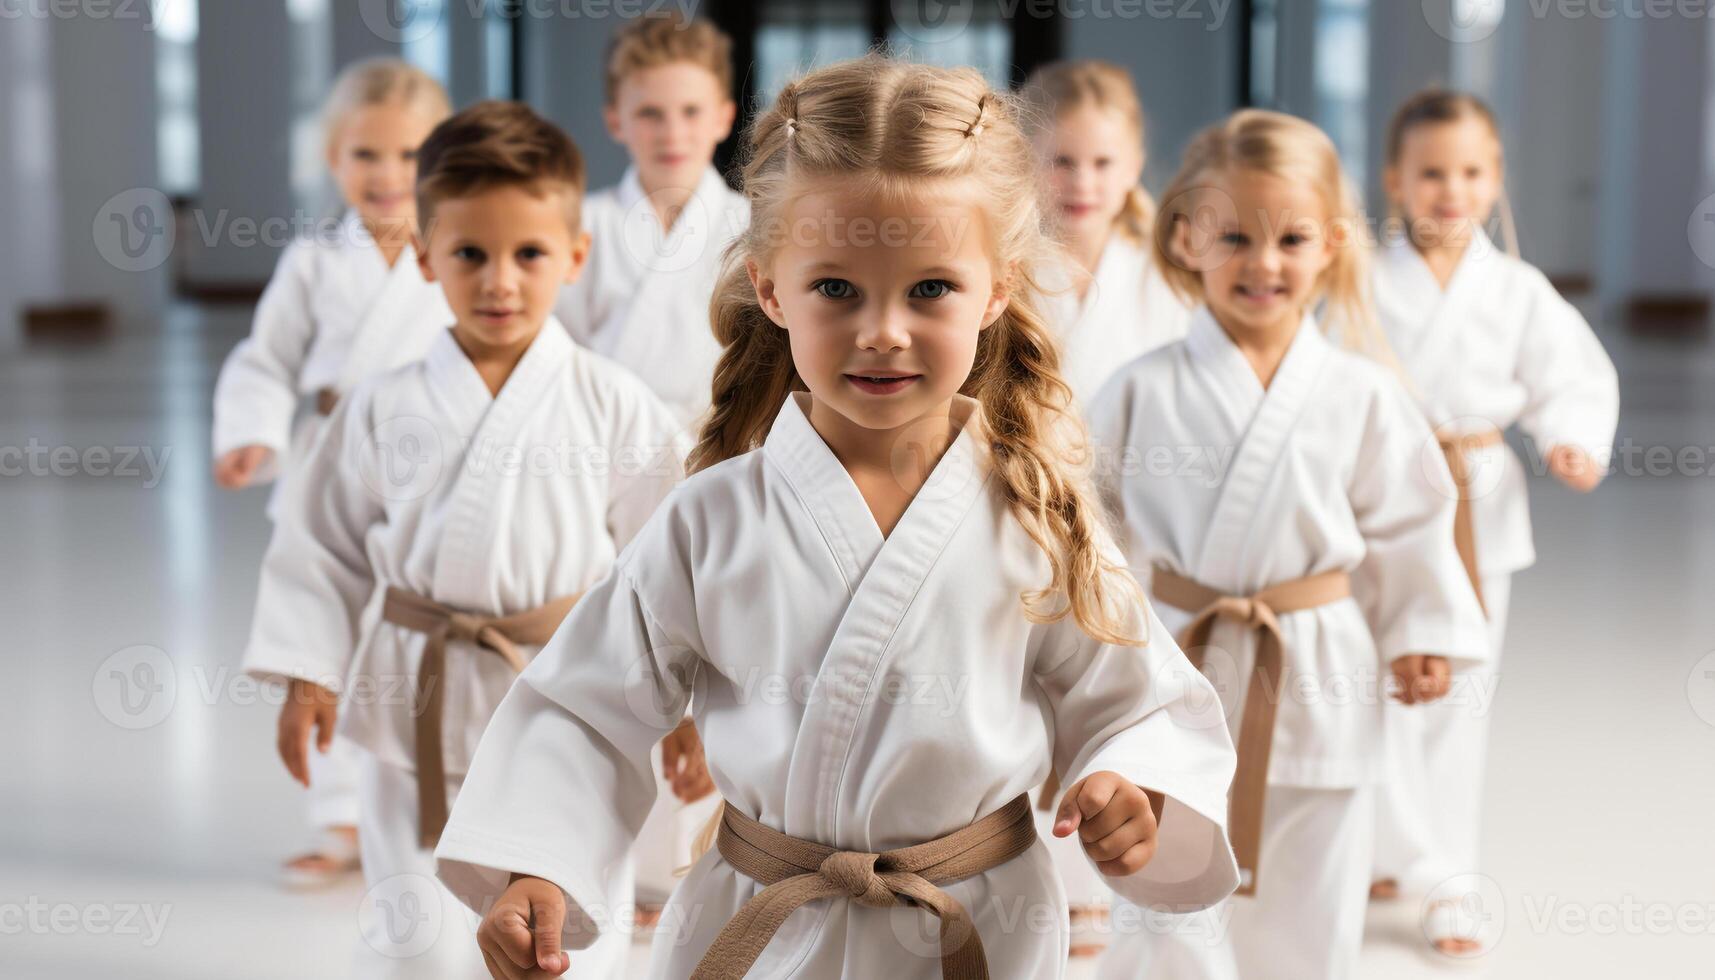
891, 594
658, 235
339, 308
643, 301
1111, 304
1105, 298
1487, 342
451, 514
1307, 507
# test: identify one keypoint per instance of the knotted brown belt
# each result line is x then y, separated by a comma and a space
326, 399
441, 623
1262, 699
797, 871
1454, 446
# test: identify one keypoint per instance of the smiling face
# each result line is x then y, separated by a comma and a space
883, 300
1260, 243
1447, 179
373, 158
502, 255
1094, 161
670, 118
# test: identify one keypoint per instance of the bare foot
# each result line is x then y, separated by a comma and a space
336, 859
1085, 920
648, 916
1384, 890
1458, 948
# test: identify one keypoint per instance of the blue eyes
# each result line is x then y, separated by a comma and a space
840, 289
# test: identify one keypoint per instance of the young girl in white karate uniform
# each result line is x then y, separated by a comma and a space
450, 514
1109, 304
1487, 342
343, 304
1105, 299
886, 596
1292, 500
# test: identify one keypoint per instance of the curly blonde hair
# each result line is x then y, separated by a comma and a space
892, 126
1061, 87
1283, 146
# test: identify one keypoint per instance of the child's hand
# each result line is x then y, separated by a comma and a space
1113, 818
1422, 678
1574, 467
237, 467
520, 936
309, 707
682, 760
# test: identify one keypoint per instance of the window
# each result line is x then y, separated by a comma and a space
178, 135
1342, 79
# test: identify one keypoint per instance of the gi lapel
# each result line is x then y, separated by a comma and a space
1224, 556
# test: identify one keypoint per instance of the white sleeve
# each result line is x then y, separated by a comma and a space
562, 779
648, 450
1572, 390
1148, 715
1411, 582
256, 393
316, 575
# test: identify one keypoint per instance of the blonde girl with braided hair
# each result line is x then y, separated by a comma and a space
1106, 298
1298, 538
887, 598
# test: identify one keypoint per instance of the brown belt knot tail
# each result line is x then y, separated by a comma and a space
501, 635
1454, 446
796, 871
1260, 613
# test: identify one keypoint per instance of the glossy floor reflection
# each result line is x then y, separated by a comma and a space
144, 813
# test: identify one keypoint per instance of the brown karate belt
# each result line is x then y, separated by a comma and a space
326, 399
1454, 446
797, 871
501, 635
1259, 612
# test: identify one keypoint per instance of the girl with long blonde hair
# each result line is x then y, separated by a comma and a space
886, 597
1292, 536
1106, 298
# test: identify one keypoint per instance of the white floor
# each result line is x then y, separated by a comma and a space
149, 852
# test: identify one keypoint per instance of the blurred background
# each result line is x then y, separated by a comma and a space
156, 155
